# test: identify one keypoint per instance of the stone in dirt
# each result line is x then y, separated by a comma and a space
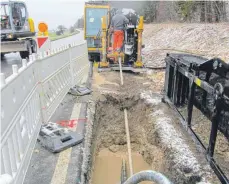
114, 148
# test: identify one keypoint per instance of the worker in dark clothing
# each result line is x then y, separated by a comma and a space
117, 25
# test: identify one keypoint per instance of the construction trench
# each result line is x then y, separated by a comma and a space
158, 141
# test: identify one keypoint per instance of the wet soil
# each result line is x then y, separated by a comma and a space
110, 137
109, 144
111, 129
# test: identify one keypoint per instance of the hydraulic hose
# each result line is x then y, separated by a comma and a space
148, 175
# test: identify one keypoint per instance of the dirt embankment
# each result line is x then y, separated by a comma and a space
208, 40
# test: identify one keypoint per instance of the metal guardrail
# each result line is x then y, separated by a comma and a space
29, 98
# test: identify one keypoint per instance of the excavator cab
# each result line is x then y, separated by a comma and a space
17, 29
92, 28
15, 22
18, 15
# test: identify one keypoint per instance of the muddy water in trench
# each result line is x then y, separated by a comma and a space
110, 145
108, 166
109, 138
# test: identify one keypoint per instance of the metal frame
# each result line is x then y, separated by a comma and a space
182, 82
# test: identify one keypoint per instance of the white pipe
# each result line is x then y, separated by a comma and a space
3, 79
128, 142
44, 54
30, 58
40, 55
120, 69
34, 56
15, 69
126, 124
24, 63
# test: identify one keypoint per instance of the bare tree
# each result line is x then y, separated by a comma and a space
188, 11
61, 29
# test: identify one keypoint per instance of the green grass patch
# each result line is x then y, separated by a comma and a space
54, 37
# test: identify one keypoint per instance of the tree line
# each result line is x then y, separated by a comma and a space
78, 24
162, 11
178, 11
185, 11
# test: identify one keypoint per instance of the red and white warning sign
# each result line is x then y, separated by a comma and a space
43, 43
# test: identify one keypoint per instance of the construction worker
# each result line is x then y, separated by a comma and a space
117, 26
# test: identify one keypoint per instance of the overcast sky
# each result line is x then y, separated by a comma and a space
65, 12
55, 12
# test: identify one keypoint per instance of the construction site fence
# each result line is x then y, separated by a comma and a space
30, 96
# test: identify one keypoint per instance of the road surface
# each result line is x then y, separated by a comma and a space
14, 58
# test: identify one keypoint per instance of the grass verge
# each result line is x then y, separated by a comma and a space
54, 37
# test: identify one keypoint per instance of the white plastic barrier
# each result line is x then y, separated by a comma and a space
30, 96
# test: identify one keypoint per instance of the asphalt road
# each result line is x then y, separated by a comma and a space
14, 58
48, 168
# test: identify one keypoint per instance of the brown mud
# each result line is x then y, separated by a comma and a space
110, 131
107, 161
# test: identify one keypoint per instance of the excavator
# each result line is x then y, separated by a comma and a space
17, 29
97, 18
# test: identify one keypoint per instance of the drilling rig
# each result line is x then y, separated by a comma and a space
97, 18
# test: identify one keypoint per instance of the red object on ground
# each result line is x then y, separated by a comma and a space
41, 41
71, 123
118, 39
